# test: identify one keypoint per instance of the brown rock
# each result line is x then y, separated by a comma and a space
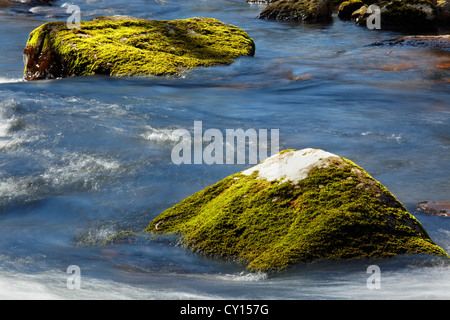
434, 208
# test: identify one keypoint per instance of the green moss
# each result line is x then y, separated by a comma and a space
143, 47
287, 150
335, 213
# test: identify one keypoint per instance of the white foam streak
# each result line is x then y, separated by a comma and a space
160, 135
7, 117
73, 170
52, 285
10, 80
244, 276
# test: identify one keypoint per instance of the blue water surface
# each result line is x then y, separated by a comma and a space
83, 158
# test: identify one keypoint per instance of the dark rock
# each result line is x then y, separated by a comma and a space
401, 15
346, 8
360, 16
443, 13
299, 10
409, 15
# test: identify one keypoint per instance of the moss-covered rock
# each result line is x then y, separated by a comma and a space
296, 206
409, 15
127, 46
443, 12
360, 16
299, 10
346, 8
402, 15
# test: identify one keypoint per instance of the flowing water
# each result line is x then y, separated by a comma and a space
83, 158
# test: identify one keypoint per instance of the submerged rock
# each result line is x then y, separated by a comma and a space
296, 206
438, 42
120, 46
299, 10
434, 208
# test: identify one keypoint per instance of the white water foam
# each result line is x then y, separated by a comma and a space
95, 236
73, 170
12, 125
10, 80
7, 117
52, 285
160, 135
244, 276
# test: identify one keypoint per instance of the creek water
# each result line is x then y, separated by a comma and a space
83, 158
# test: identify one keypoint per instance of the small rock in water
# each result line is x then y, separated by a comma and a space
438, 42
403, 15
434, 208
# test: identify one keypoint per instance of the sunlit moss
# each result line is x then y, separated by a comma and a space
136, 47
338, 212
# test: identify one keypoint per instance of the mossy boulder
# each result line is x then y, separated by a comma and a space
299, 10
360, 16
346, 8
401, 15
443, 13
296, 206
120, 46
409, 15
